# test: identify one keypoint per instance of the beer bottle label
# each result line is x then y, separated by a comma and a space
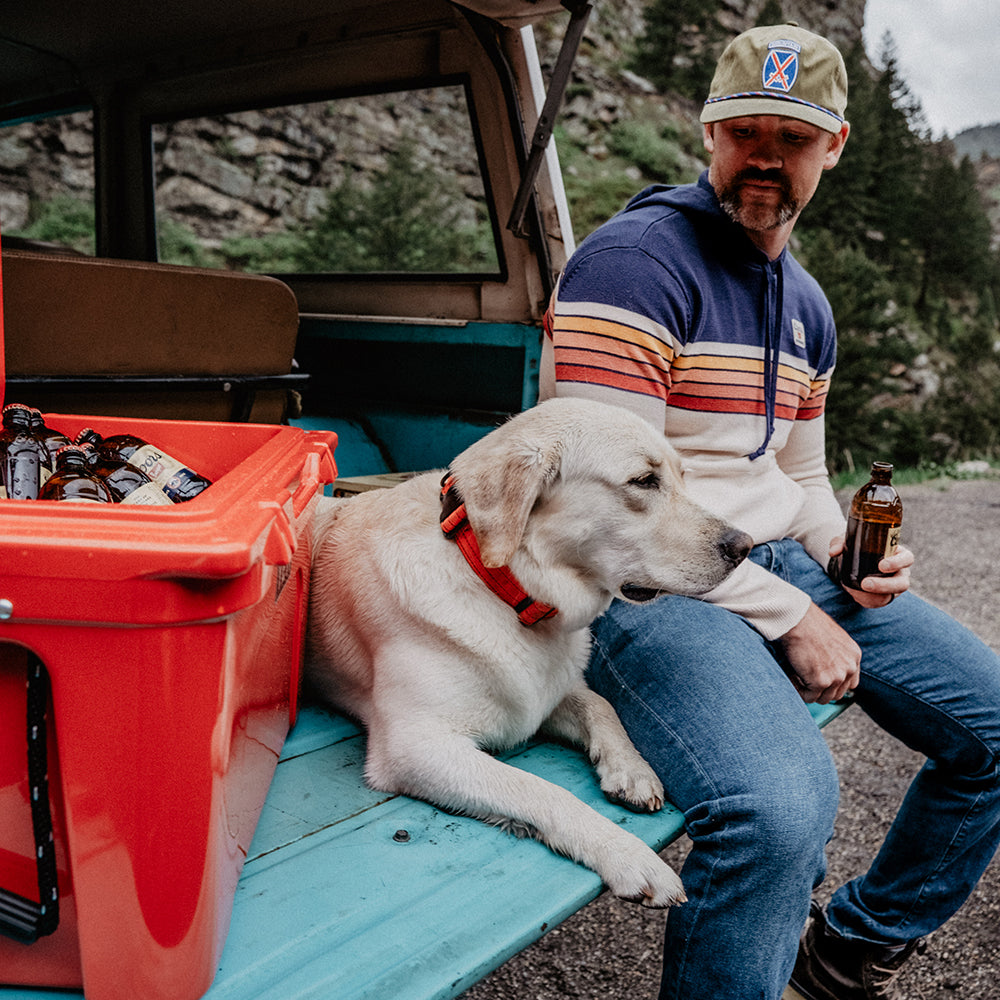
892, 540
165, 471
174, 487
148, 495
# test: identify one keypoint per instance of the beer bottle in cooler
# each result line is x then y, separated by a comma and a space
73, 481
873, 527
127, 484
51, 438
88, 436
22, 455
176, 480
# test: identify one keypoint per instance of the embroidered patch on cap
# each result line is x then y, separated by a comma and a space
781, 65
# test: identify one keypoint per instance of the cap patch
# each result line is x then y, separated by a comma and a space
781, 65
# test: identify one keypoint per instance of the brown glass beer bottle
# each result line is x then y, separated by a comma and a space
51, 438
127, 484
72, 480
88, 436
178, 482
22, 455
873, 527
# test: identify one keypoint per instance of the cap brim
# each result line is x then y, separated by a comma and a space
736, 107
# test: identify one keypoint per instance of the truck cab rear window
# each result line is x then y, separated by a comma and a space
378, 183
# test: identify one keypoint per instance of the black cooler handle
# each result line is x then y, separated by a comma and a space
23, 919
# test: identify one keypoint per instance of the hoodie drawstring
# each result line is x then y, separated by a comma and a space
772, 349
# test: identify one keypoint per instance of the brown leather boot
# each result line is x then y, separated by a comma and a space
831, 967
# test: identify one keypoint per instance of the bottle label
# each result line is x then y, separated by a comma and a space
175, 485
892, 541
165, 471
148, 495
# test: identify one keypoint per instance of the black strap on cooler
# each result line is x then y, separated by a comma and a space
23, 919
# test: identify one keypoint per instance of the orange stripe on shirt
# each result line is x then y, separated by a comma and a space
611, 378
566, 325
611, 354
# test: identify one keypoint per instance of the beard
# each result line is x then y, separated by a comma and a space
755, 217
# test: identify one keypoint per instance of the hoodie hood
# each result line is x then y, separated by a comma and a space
692, 199
698, 201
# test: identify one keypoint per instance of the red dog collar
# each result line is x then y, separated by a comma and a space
503, 583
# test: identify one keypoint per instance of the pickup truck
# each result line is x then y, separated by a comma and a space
388, 161
226, 223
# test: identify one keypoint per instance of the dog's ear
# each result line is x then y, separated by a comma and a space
500, 477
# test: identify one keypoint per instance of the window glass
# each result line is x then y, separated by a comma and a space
386, 182
47, 181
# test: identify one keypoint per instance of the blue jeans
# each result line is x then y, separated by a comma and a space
705, 699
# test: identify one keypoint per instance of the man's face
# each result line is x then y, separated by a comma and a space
765, 168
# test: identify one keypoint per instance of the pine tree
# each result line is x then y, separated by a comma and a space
844, 201
953, 232
771, 13
897, 175
664, 54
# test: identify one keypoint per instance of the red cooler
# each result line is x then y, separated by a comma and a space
172, 639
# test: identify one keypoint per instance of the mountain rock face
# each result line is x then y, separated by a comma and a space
603, 92
40, 162
615, 24
202, 189
980, 141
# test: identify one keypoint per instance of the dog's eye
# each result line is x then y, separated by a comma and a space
650, 481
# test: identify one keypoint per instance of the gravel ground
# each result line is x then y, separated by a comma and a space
611, 950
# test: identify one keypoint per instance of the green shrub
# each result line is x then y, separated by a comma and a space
408, 218
176, 244
63, 219
655, 151
270, 253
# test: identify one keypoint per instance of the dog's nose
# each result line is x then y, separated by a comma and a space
735, 546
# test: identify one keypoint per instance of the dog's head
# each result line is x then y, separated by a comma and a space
591, 491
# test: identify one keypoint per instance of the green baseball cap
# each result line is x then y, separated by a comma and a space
780, 69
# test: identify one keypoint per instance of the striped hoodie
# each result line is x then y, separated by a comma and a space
671, 311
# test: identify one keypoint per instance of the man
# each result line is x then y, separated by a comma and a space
688, 308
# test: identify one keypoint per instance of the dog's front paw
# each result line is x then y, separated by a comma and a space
636, 788
647, 880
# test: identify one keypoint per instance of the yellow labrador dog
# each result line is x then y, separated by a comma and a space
454, 620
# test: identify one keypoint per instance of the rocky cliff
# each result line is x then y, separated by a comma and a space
603, 92
270, 171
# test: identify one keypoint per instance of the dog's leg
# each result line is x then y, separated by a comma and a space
451, 771
585, 718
